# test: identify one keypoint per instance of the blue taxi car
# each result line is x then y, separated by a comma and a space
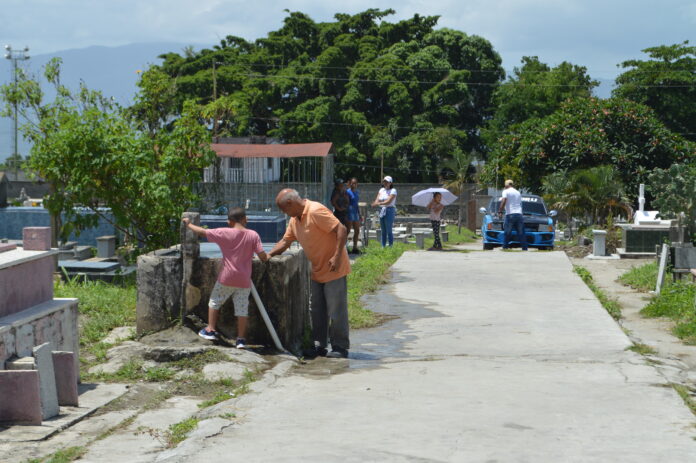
539, 227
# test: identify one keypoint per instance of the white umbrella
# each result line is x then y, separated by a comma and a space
423, 197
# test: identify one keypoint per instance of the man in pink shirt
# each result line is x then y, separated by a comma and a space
238, 245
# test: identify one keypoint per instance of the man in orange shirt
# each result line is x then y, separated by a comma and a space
323, 239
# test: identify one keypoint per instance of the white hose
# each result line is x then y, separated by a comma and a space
266, 320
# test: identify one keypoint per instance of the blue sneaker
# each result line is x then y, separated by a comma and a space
209, 335
241, 343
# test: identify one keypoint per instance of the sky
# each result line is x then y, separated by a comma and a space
598, 34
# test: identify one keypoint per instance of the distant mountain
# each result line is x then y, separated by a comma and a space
109, 69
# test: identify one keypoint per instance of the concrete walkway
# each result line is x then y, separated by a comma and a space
496, 357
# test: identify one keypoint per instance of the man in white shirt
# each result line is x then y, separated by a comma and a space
512, 204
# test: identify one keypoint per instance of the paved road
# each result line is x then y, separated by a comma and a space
497, 357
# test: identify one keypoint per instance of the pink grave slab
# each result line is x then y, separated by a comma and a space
26, 279
22, 390
7, 247
66, 378
36, 238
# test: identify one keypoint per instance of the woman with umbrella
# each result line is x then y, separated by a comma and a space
435, 200
435, 207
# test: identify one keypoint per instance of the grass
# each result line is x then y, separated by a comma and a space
642, 278
368, 272
179, 431
642, 349
241, 388
686, 397
675, 301
133, 371
612, 306
102, 307
65, 455
466, 236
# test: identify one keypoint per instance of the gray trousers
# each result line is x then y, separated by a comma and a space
330, 313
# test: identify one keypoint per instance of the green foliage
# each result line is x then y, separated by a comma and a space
402, 92
535, 90
65, 455
179, 431
367, 273
102, 307
584, 133
667, 83
642, 277
612, 306
642, 349
140, 163
674, 191
676, 301
596, 193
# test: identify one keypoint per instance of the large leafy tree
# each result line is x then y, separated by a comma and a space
380, 91
674, 192
667, 83
584, 133
140, 163
535, 90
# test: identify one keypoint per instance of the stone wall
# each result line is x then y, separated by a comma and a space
282, 283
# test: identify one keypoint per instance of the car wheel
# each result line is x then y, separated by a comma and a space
487, 246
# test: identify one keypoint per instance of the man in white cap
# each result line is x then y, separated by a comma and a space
386, 200
512, 204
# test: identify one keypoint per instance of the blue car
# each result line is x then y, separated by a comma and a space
539, 227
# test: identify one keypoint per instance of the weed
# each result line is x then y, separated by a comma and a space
686, 397
159, 374
612, 306
642, 278
65, 455
102, 307
241, 388
179, 431
676, 301
219, 397
198, 361
227, 416
642, 349
368, 272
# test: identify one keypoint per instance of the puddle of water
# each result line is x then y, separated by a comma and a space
371, 346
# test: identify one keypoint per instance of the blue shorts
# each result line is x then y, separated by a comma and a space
353, 215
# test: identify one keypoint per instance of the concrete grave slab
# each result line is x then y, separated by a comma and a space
66, 378
24, 406
47, 380
22, 363
92, 397
7, 247
87, 266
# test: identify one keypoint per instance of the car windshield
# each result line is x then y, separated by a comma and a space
530, 205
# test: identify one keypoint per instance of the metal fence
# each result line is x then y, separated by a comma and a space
256, 185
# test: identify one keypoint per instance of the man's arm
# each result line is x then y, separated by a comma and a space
502, 206
200, 231
341, 238
263, 256
279, 248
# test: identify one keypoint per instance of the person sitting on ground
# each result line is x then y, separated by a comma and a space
238, 245
435, 207
354, 213
323, 240
340, 202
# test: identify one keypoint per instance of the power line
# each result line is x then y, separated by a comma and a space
448, 69
348, 124
442, 82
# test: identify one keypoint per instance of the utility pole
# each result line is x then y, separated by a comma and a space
14, 56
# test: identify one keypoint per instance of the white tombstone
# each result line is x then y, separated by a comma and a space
599, 247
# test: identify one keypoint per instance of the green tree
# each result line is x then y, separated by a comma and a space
457, 176
535, 90
596, 193
139, 163
584, 133
667, 83
379, 90
674, 192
